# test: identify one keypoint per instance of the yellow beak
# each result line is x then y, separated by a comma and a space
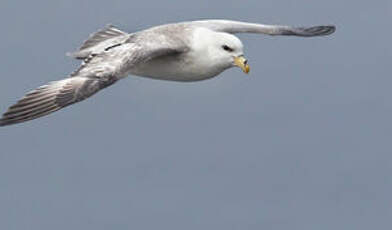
242, 63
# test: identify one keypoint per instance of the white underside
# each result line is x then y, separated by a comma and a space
199, 63
176, 69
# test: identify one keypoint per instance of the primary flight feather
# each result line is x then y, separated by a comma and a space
187, 51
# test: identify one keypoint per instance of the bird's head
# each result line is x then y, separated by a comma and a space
227, 50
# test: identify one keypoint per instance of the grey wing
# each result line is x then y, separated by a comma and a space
49, 98
99, 41
97, 72
104, 34
245, 27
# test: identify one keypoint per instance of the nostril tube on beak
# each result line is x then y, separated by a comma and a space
241, 62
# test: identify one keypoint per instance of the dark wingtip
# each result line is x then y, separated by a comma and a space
5, 122
2, 122
318, 30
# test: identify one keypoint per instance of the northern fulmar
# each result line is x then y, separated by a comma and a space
186, 51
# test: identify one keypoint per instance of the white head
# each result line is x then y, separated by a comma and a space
227, 50
222, 50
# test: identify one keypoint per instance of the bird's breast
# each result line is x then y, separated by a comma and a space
177, 68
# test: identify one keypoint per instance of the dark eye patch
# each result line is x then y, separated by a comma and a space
227, 48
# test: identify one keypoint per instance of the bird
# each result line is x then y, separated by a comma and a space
185, 51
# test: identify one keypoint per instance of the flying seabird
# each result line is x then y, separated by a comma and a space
186, 51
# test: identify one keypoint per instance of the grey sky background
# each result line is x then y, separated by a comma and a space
303, 142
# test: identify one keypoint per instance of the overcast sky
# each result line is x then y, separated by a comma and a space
302, 142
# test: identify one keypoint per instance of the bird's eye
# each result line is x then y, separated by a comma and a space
227, 48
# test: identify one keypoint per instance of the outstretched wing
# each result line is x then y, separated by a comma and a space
50, 98
244, 27
98, 71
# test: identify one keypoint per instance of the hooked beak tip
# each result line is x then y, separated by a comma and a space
242, 63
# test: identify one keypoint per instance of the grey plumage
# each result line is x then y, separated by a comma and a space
97, 72
106, 33
110, 54
99, 41
52, 97
245, 27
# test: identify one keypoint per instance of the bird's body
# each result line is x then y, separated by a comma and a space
188, 51
195, 64
182, 66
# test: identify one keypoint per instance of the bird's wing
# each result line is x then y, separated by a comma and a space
49, 98
83, 83
97, 72
98, 41
244, 27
